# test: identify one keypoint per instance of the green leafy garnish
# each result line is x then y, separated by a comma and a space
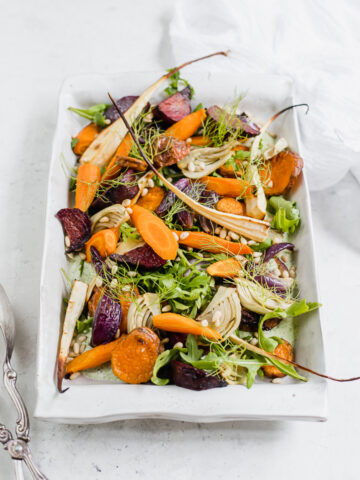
193, 351
74, 142
261, 247
84, 325
199, 106
127, 231
286, 215
95, 114
175, 80
163, 359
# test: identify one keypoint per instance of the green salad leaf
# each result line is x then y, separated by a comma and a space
127, 231
175, 80
84, 325
286, 215
261, 247
74, 142
193, 353
163, 359
95, 114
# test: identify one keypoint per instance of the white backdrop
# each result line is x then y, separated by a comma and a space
41, 42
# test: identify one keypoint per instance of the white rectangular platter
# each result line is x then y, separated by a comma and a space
88, 401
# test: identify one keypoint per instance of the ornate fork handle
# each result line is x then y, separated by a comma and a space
22, 423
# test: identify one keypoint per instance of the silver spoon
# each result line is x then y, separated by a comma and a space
17, 447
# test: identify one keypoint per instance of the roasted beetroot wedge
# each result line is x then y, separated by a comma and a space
143, 256
176, 107
123, 104
106, 321
77, 226
187, 376
233, 122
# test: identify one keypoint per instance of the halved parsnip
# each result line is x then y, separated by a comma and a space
74, 309
255, 206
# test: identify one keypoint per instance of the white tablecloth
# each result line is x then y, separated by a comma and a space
41, 42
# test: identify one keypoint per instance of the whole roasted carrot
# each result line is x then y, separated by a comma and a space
211, 243
87, 183
92, 358
187, 126
172, 322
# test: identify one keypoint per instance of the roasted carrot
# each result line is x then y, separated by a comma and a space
187, 126
172, 322
105, 241
283, 350
229, 171
200, 141
113, 169
230, 205
210, 243
152, 199
94, 300
230, 187
228, 268
85, 138
154, 232
134, 357
92, 358
87, 183
281, 167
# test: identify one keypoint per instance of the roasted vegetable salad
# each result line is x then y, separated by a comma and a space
179, 241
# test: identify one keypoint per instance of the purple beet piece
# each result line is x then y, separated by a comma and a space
276, 248
98, 262
143, 256
77, 226
185, 218
124, 103
270, 282
176, 107
187, 376
106, 321
175, 338
249, 320
209, 198
170, 197
233, 122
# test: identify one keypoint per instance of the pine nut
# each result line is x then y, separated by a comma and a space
200, 255
189, 249
104, 219
184, 235
76, 348
129, 210
175, 236
169, 179
81, 338
117, 334
277, 272
114, 269
234, 236
67, 241
98, 282
276, 380
257, 254
189, 140
165, 340
108, 121
151, 183
292, 272
126, 202
254, 341
113, 283
244, 241
178, 345
204, 323
256, 334
82, 256
251, 242
131, 273
74, 375
166, 308
126, 288
217, 230
270, 184
144, 192
285, 274
257, 260
82, 347
223, 233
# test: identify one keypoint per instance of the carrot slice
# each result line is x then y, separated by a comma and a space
200, 141
105, 242
172, 322
152, 199
230, 205
113, 170
228, 268
87, 183
213, 244
187, 126
154, 232
85, 138
282, 167
134, 357
92, 358
230, 187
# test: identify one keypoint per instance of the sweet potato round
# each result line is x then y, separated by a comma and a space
285, 351
230, 205
134, 357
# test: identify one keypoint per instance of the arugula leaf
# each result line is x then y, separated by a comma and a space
199, 106
287, 369
72, 184
127, 231
193, 351
260, 247
84, 325
95, 114
163, 359
266, 343
209, 362
287, 216
302, 307
173, 87
74, 142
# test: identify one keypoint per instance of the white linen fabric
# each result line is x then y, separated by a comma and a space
316, 42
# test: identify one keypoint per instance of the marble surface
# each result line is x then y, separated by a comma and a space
40, 44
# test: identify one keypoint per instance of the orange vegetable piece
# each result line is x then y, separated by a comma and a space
230, 205
154, 232
87, 183
172, 322
282, 167
133, 359
105, 242
152, 199
123, 150
230, 187
283, 350
229, 171
94, 300
228, 268
213, 244
92, 358
85, 138
187, 126
200, 141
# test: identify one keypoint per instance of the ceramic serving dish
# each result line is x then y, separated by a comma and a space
89, 401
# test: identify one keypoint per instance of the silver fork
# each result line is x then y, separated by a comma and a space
18, 447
